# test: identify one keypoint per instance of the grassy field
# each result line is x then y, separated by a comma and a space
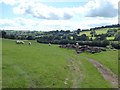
40, 65
108, 58
100, 31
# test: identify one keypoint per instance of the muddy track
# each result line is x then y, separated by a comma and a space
76, 73
105, 72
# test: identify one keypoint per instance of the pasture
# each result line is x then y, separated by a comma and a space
99, 31
43, 66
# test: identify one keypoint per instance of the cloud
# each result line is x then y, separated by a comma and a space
42, 11
93, 8
99, 21
101, 8
47, 25
46, 17
9, 2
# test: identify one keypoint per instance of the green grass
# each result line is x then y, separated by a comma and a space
108, 59
40, 65
91, 77
100, 31
110, 38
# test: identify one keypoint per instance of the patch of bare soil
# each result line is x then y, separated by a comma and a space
76, 73
106, 73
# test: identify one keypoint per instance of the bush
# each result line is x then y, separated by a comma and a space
117, 37
30, 38
105, 43
116, 45
95, 43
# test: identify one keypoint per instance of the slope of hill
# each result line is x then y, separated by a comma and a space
44, 66
100, 31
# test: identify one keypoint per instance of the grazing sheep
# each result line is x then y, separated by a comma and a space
22, 42
49, 44
77, 44
19, 42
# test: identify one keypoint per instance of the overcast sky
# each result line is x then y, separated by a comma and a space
47, 15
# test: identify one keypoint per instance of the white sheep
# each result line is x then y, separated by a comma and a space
22, 42
19, 42
77, 44
49, 44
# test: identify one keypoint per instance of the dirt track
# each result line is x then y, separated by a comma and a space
76, 73
105, 72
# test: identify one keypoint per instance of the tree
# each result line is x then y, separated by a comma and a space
67, 31
64, 37
91, 39
57, 37
116, 45
11, 36
105, 43
30, 38
93, 33
101, 37
78, 31
117, 36
83, 37
74, 37
111, 32
3, 33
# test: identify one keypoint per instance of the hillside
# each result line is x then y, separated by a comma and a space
100, 31
41, 65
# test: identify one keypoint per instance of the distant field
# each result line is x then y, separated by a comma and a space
110, 38
100, 31
40, 65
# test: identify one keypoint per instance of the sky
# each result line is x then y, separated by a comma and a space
47, 15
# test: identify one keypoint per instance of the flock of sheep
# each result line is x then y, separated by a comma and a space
22, 42
29, 43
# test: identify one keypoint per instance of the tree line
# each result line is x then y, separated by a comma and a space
65, 37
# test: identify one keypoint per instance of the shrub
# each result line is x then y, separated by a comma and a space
116, 45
